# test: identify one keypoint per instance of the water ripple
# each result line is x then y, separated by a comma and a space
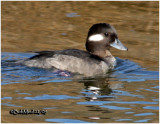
61, 120
46, 97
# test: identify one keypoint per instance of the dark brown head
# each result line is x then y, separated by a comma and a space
101, 37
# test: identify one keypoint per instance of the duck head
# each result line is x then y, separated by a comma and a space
101, 37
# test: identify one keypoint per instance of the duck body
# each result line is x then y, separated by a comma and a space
73, 60
95, 61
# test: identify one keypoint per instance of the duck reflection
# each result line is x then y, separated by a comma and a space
99, 88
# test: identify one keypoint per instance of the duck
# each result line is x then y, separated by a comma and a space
96, 60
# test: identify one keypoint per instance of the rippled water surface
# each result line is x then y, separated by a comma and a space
130, 93
124, 95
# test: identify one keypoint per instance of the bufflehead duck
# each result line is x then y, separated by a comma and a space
95, 61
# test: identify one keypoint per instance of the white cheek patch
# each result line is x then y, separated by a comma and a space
96, 37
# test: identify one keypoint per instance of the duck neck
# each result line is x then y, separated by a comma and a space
107, 56
111, 60
103, 53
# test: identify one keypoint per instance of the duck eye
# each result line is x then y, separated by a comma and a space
106, 34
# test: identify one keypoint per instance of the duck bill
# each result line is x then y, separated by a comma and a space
117, 44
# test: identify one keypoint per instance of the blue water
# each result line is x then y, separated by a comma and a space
127, 90
126, 70
46, 96
65, 121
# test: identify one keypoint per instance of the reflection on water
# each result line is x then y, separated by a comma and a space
129, 90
